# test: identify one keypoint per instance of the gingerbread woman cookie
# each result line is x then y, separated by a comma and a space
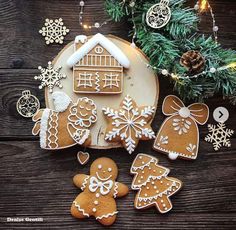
155, 188
179, 134
129, 123
99, 192
67, 125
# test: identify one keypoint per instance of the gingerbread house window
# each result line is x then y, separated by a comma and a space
98, 66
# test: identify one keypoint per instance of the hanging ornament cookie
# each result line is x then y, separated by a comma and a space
54, 31
83, 157
158, 15
27, 105
129, 123
99, 192
153, 185
67, 125
179, 134
219, 135
98, 66
50, 77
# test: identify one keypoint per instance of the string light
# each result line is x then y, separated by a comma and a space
203, 6
96, 25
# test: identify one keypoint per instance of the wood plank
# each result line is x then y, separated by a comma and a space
13, 82
45, 178
23, 47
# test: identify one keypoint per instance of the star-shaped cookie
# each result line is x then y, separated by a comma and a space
129, 123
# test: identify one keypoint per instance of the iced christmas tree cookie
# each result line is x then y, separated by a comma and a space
99, 192
129, 123
153, 185
179, 134
67, 125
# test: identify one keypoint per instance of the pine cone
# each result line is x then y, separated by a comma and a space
193, 61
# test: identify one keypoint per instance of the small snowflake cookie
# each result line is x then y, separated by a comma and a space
219, 135
179, 134
54, 31
154, 186
129, 123
67, 125
50, 77
99, 192
98, 65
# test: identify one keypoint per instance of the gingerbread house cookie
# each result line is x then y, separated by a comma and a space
98, 66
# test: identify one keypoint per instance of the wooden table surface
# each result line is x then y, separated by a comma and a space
38, 184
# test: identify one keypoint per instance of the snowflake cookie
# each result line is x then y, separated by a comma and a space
99, 192
54, 31
129, 123
179, 134
67, 125
50, 77
219, 135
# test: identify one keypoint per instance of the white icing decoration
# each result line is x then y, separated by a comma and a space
104, 187
109, 169
97, 82
106, 216
173, 155
181, 125
164, 140
191, 148
99, 166
61, 101
82, 120
81, 39
184, 112
80, 209
53, 130
103, 41
129, 119
80, 135
85, 80
111, 80
44, 128
115, 189
84, 183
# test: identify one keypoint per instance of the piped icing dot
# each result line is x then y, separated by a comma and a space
99, 166
95, 202
164, 205
94, 209
141, 177
109, 169
161, 182
143, 162
97, 195
155, 187
147, 188
142, 172
162, 201
140, 157
139, 181
153, 182
154, 170
166, 208
145, 194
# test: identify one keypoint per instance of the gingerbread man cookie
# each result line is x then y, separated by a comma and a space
99, 192
67, 125
155, 188
179, 134
129, 123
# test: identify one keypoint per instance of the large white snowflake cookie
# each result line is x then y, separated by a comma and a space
129, 123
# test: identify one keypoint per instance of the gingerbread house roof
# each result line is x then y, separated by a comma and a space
105, 43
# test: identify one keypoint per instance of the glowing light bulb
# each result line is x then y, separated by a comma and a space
203, 5
232, 65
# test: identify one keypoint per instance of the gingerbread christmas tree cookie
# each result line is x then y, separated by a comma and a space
153, 185
129, 124
67, 125
99, 192
179, 134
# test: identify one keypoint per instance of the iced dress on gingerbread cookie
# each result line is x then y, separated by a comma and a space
99, 192
179, 134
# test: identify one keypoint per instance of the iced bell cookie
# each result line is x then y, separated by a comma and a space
67, 125
153, 185
129, 123
179, 134
99, 192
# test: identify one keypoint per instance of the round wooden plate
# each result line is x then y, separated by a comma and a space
140, 82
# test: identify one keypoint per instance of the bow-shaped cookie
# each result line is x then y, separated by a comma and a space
105, 187
179, 134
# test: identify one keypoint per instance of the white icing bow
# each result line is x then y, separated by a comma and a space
105, 187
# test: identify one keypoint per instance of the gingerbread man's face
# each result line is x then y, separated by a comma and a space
104, 169
87, 109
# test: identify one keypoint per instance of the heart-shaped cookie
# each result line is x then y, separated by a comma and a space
83, 157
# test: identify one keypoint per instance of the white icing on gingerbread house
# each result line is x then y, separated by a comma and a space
98, 66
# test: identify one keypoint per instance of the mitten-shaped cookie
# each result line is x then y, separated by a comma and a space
99, 192
67, 125
153, 185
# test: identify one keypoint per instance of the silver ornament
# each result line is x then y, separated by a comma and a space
28, 104
158, 15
